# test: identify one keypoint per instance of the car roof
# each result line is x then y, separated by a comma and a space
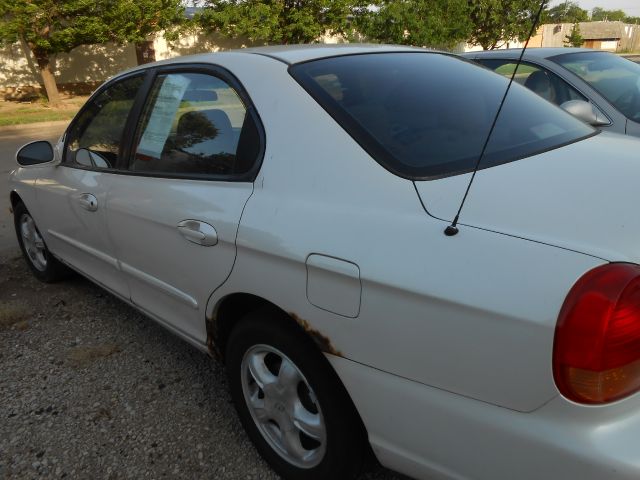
544, 52
291, 54
288, 54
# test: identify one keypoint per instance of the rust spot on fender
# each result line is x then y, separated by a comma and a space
322, 341
214, 351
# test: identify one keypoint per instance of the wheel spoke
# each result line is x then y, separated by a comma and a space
24, 230
292, 444
288, 376
37, 241
258, 406
259, 370
308, 423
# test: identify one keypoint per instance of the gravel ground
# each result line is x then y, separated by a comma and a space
92, 389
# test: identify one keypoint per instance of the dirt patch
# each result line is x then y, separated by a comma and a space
13, 317
85, 355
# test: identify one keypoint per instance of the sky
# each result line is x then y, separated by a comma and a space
630, 7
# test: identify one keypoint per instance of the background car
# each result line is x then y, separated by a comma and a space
569, 76
284, 210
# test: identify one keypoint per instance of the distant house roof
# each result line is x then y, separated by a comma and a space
601, 30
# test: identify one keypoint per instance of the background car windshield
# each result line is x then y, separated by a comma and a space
616, 78
426, 115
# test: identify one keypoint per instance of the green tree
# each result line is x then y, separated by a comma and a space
49, 27
495, 22
566, 12
434, 23
136, 20
600, 14
574, 39
277, 21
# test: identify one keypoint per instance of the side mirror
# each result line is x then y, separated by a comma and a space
585, 111
35, 153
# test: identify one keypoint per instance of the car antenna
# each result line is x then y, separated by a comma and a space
452, 229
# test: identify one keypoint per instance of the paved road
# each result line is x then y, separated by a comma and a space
11, 138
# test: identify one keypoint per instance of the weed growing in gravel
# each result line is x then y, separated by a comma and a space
13, 317
82, 356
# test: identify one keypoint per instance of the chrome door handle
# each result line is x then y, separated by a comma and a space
198, 232
88, 202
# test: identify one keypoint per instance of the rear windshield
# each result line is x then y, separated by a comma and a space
616, 78
427, 115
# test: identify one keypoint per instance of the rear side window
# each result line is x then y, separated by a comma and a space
95, 138
427, 115
615, 78
537, 79
195, 124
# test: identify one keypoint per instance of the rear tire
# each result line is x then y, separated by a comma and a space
290, 401
43, 265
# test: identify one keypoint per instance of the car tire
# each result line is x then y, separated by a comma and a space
43, 265
290, 401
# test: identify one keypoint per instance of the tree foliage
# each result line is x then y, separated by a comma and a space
566, 12
278, 21
48, 27
136, 20
433, 23
575, 38
600, 14
498, 21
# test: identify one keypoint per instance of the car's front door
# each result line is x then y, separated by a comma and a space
174, 216
74, 197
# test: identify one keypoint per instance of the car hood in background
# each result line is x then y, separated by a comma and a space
584, 197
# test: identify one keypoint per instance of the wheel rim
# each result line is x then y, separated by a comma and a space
33, 243
283, 406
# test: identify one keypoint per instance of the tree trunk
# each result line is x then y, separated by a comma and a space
145, 53
48, 79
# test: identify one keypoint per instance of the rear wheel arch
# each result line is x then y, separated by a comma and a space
231, 309
15, 199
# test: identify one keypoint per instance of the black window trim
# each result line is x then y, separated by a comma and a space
375, 149
133, 122
66, 162
227, 77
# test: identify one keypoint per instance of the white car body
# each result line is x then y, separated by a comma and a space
443, 343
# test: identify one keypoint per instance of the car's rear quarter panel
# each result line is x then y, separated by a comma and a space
473, 315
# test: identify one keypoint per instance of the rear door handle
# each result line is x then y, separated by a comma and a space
88, 202
198, 232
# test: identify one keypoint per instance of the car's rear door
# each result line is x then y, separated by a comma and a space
74, 196
174, 215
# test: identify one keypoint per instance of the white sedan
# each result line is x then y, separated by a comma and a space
284, 210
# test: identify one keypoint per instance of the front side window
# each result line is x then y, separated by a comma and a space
194, 124
95, 138
615, 78
427, 115
537, 79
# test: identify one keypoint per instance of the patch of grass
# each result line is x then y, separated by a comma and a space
11, 316
83, 356
16, 113
35, 116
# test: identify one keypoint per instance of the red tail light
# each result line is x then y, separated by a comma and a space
596, 353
